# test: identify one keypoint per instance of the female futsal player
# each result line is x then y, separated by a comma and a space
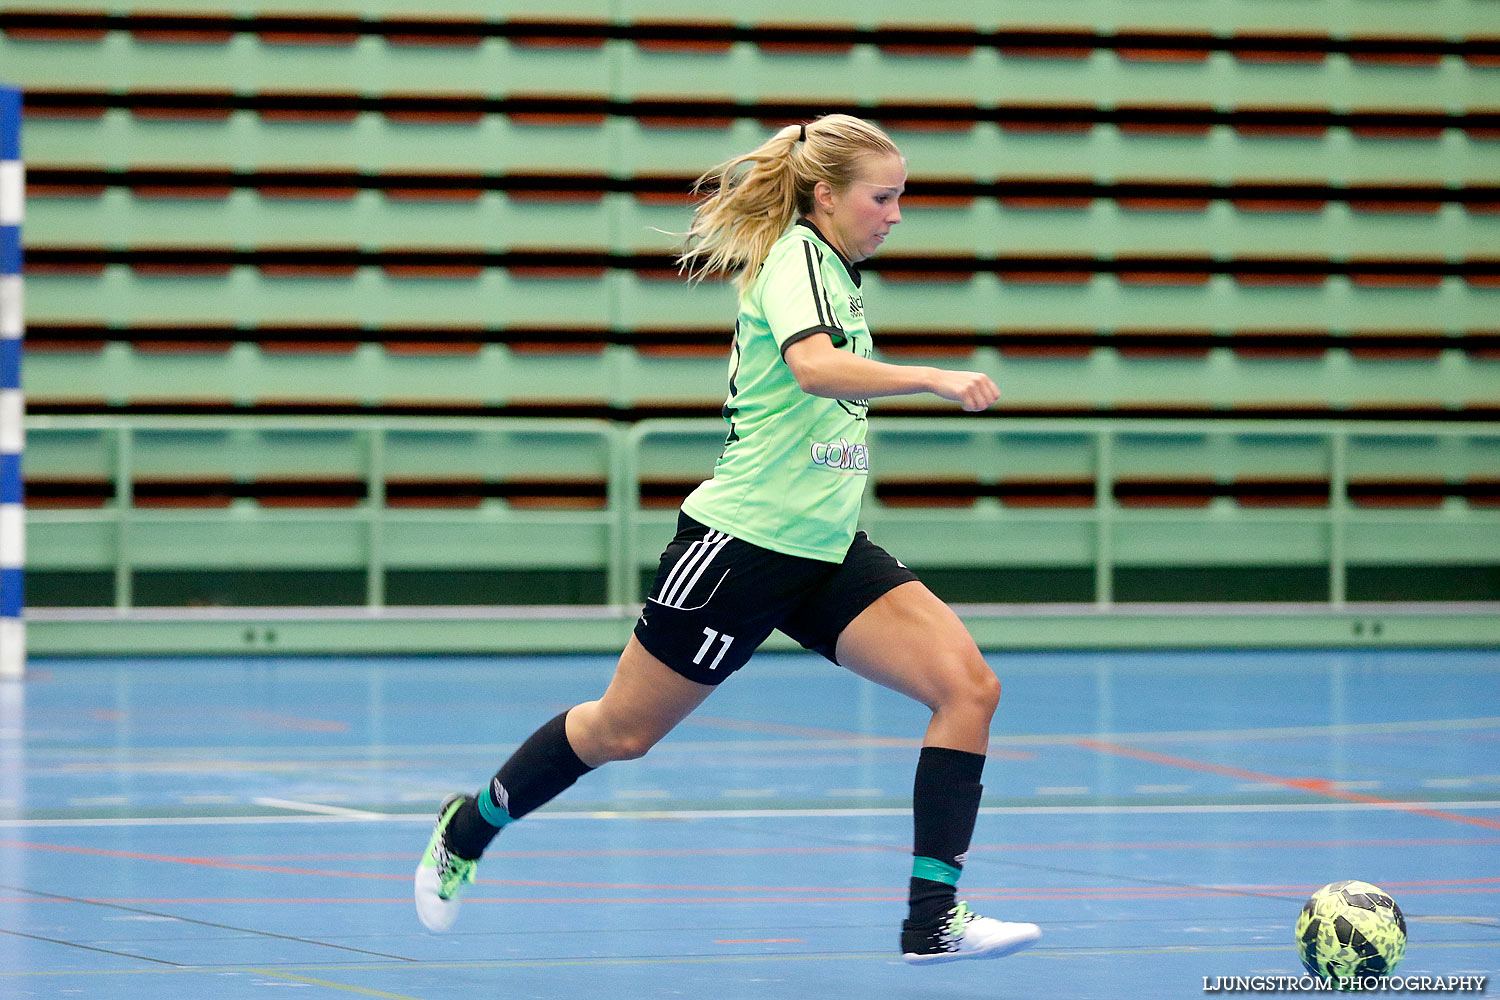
769, 542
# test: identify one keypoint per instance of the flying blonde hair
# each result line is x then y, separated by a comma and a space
753, 198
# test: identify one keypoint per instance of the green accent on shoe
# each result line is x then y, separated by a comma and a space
934, 870
957, 918
452, 871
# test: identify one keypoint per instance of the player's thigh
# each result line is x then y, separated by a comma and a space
644, 702
910, 641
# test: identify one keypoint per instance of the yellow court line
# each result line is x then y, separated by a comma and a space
342, 987
1052, 953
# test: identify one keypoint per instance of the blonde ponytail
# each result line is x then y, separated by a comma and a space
753, 198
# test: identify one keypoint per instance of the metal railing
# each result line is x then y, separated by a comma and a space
621, 537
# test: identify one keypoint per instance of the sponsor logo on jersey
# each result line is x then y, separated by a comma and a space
856, 306
841, 454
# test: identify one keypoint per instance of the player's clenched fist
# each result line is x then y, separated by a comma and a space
973, 391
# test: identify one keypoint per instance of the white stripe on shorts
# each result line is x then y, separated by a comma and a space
690, 567
685, 563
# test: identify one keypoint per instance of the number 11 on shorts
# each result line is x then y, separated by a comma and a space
709, 635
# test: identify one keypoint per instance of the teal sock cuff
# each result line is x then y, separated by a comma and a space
934, 870
493, 814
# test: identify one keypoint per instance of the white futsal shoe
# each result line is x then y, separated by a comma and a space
962, 933
442, 875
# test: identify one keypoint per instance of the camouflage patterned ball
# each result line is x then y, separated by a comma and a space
1351, 929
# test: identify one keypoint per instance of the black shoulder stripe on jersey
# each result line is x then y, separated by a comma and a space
819, 300
828, 303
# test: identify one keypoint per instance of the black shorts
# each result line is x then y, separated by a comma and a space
716, 598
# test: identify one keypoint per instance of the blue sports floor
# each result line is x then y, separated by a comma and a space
248, 828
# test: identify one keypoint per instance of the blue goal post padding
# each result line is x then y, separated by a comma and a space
12, 491
10, 123
10, 250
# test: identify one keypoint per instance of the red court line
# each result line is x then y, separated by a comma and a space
821, 893
636, 900
766, 893
620, 852
1318, 786
1441, 885
885, 897
285, 870
102, 852
1093, 892
275, 720
803, 732
205, 862
1436, 885
1124, 845
816, 733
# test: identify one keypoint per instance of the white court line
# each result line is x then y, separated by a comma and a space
356, 816
315, 756
627, 612
316, 807
1276, 732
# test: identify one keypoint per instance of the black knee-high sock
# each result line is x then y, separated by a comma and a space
945, 804
540, 769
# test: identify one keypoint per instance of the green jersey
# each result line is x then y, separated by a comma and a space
794, 465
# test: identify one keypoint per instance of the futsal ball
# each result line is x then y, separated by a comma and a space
1351, 931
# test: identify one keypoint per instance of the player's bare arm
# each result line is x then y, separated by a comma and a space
823, 370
